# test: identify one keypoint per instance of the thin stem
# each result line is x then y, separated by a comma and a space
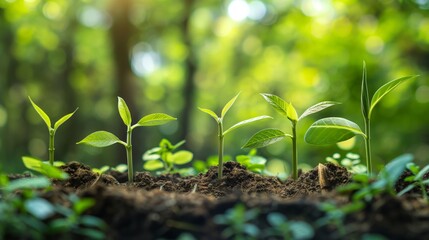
294, 153
368, 145
51, 146
220, 152
129, 149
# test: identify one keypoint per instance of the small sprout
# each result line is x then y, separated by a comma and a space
222, 133
416, 180
52, 130
104, 139
269, 136
333, 130
252, 162
351, 162
163, 157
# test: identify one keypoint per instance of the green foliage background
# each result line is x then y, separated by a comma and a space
172, 56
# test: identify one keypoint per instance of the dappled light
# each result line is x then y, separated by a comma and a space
175, 56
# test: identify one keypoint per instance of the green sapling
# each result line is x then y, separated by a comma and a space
269, 136
104, 138
165, 157
334, 129
222, 133
52, 130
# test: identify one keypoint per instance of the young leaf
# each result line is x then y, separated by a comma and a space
245, 122
385, 89
277, 103
153, 165
331, 130
101, 139
210, 112
42, 114
124, 111
364, 97
63, 120
44, 168
27, 183
291, 113
422, 172
154, 119
265, 137
181, 157
317, 108
228, 106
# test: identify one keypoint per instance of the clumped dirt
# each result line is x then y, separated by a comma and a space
168, 206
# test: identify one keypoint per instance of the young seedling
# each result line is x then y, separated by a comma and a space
52, 130
222, 133
416, 180
269, 136
333, 130
104, 138
163, 156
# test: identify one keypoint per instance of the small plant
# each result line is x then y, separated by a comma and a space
239, 223
104, 138
351, 162
163, 156
365, 188
222, 132
334, 129
52, 130
284, 228
252, 162
416, 180
269, 136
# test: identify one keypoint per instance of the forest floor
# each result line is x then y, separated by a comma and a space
171, 206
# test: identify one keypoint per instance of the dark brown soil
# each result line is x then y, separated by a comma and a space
165, 207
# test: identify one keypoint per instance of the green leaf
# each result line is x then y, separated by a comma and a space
331, 130
124, 111
422, 172
210, 112
390, 174
245, 122
265, 137
317, 108
42, 114
291, 113
277, 103
153, 165
364, 97
44, 168
228, 106
154, 119
63, 119
385, 89
26, 183
101, 139
181, 157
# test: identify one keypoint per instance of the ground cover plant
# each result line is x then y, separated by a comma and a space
334, 129
221, 132
104, 138
269, 136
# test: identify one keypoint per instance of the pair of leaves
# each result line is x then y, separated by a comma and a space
44, 168
46, 118
269, 136
104, 138
178, 158
225, 109
333, 130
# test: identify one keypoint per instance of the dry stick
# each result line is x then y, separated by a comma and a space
323, 177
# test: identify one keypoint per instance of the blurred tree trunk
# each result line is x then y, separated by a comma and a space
190, 70
121, 34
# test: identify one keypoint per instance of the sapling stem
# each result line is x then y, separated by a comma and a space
51, 147
129, 149
220, 147
367, 138
294, 153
